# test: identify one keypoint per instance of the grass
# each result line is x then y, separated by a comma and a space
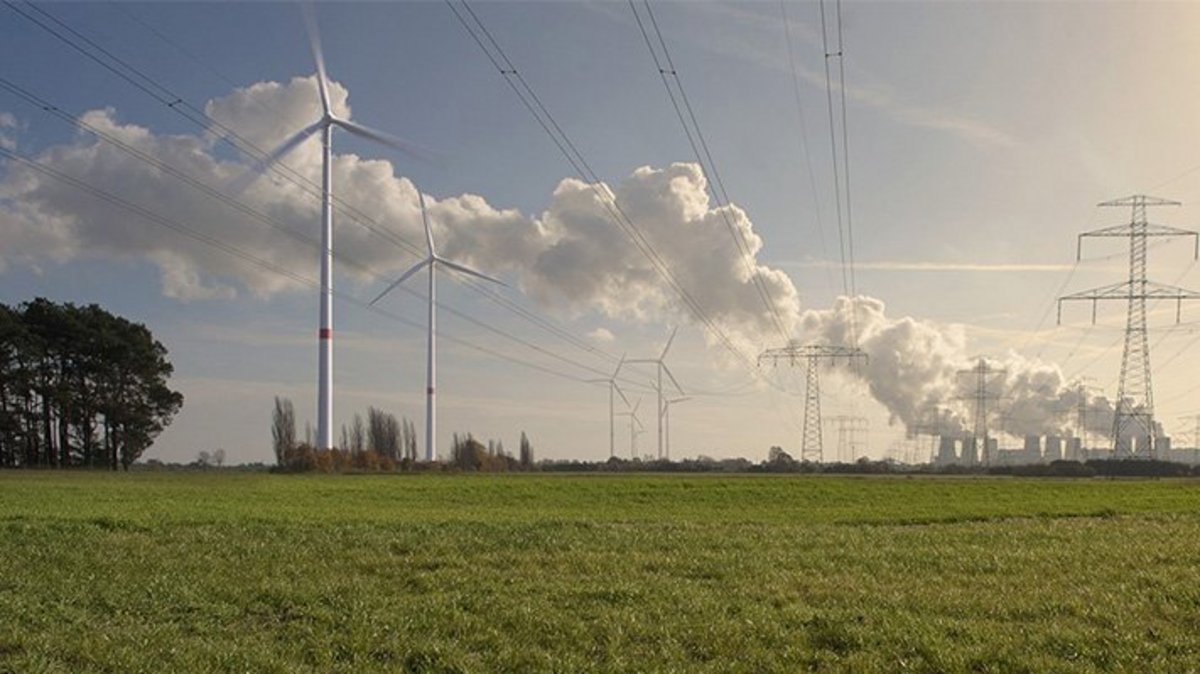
527, 573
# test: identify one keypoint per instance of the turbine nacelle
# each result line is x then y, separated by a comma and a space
433, 259
328, 120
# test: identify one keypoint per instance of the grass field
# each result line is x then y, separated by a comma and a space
526, 573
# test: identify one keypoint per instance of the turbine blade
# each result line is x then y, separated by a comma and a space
620, 363
619, 391
410, 149
403, 277
262, 165
672, 377
428, 230
467, 270
314, 43
669, 340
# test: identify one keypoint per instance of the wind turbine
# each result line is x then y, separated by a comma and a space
430, 364
658, 387
323, 126
667, 415
633, 430
612, 387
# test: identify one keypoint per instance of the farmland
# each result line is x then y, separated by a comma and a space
150, 572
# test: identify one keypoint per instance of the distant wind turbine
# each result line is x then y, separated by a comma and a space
667, 419
612, 388
431, 261
658, 387
633, 430
324, 126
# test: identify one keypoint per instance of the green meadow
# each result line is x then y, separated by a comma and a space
229, 572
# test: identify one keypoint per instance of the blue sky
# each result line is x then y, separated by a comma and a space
981, 137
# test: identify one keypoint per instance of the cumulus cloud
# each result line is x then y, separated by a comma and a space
571, 256
8, 124
602, 335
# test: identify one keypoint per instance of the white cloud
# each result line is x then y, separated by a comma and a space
602, 335
572, 257
8, 123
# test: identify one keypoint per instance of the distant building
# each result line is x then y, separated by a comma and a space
1053, 451
946, 453
1164, 447
970, 453
1075, 450
1033, 449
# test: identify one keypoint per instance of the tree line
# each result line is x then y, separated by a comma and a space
381, 442
79, 387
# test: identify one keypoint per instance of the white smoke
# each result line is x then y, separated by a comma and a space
913, 370
572, 257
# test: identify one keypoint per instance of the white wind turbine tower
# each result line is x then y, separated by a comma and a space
324, 126
658, 387
667, 418
431, 261
612, 388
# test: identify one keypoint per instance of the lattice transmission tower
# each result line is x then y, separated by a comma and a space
1133, 414
1196, 430
981, 394
813, 355
851, 433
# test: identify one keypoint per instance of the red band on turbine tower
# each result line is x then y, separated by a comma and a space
325, 333
429, 390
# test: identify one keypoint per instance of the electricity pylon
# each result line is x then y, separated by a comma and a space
849, 429
980, 396
812, 355
1134, 407
1196, 431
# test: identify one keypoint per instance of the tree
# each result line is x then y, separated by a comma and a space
358, 434
410, 440
218, 457
283, 429
526, 452
383, 433
777, 455
79, 386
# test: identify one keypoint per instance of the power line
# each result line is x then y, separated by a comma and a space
846, 150
845, 231
704, 157
837, 173
812, 177
235, 251
525, 93
160, 92
194, 114
264, 218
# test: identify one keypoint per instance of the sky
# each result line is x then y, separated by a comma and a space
980, 138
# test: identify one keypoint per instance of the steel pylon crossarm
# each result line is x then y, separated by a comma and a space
811, 355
